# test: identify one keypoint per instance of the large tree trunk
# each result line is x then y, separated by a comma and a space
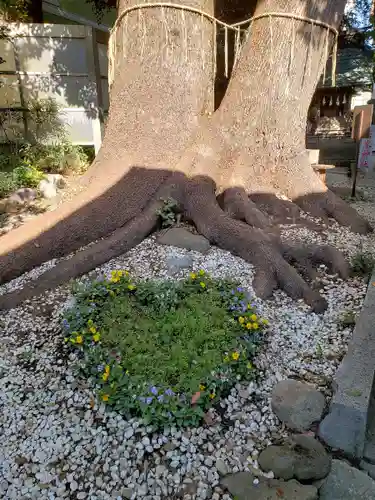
254, 144
163, 86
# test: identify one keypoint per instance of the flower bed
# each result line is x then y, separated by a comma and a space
166, 350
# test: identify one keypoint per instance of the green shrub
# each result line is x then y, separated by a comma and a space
169, 212
164, 351
62, 158
348, 319
362, 264
7, 184
27, 175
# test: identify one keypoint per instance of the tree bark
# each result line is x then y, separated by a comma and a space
163, 87
253, 145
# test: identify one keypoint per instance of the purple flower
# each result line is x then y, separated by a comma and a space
232, 292
161, 398
100, 368
149, 400
239, 289
154, 390
66, 324
169, 392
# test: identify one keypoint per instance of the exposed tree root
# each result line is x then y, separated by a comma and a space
327, 205
255, 246
273, 259
87, 259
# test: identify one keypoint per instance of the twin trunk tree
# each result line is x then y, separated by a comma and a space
226, 170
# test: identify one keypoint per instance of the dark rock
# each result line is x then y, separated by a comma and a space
347, 483
176, 264
182, 238
296, 404
242, 487
304, 458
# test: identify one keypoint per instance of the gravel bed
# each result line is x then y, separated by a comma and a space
58, 442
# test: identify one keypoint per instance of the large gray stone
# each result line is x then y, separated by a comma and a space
345, 425
47, 189
347, 483
182, 238
297, 404
241, 486
303, 458
176, 264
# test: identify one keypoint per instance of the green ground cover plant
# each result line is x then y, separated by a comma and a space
164, 351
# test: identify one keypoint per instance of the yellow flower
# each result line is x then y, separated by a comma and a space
193, 276
105, 376
202, 284
93, 329
249, 366
255, 326
120, 274
212, 395
241, 320
201, 272
235, 355
107, 368
249, 306
79, 339
96, 337
115, 280
253, 317
202, 387
249, 326
265, 321
105, 397
126, 273
131, 287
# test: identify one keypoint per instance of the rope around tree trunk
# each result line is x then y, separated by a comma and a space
236, 27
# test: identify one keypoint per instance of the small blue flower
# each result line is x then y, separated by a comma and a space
161, 398
154, 390
232, 292
100, 368
239, 289
169, 392
149, 400
66, 324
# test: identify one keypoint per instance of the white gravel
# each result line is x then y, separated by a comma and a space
58, 443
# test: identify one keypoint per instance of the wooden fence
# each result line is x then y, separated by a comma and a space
64, 62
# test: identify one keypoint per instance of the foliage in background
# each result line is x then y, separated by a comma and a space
164, 351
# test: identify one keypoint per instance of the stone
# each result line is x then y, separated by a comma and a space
245, 486
47, 189
17, 200
127, 493
297, 404
221, 467
304, 459
345, 425
56, 180
182, 238
176, 264
347, 483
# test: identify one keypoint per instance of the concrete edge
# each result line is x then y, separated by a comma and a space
344, 427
